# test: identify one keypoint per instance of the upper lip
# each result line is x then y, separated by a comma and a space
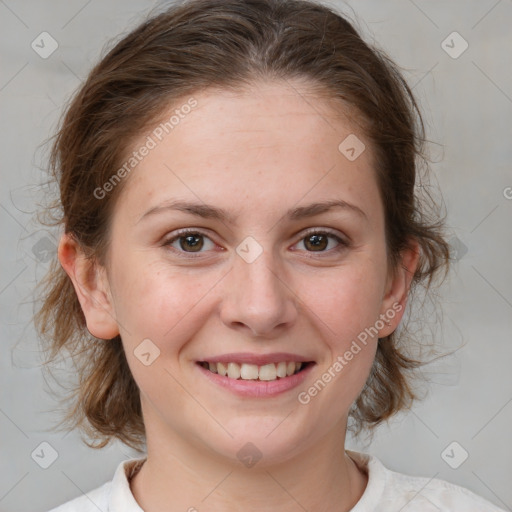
257, 359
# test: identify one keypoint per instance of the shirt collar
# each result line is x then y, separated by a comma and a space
121, 498
377, 480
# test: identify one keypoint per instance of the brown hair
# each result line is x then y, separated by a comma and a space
192, 46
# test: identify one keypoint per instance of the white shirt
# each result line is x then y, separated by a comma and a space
386, 491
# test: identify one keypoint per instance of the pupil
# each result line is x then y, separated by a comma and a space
316, 241
194, 241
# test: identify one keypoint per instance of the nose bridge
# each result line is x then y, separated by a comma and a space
258, 297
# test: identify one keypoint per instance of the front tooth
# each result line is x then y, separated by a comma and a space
222, 369
233, 370
249, 371
281, 370
212, 367
290, 368
268, 372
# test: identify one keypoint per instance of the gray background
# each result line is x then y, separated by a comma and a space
467, 103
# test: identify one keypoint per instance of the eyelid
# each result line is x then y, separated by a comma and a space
184, 232
343, 241
327, 231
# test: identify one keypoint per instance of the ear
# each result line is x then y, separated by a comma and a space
397, 288
91, 286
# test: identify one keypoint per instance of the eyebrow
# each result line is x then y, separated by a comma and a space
207, 211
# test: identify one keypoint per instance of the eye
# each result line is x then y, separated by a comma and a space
317, 240
192, 241
188, 241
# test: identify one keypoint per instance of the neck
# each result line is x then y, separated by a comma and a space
180, 476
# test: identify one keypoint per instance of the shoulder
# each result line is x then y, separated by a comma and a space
428, 494
389, 490
93, 501
112, 496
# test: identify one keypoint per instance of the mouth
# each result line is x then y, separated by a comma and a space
252, 372
258, 376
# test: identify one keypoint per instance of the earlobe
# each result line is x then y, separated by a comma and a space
397, 290
91, 286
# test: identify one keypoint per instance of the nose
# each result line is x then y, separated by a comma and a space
257, 297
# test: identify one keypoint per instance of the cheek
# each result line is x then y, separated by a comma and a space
344, 301
153, 303
344, 314
163, 303
156, 302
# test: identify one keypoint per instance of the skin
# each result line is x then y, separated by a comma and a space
256, 154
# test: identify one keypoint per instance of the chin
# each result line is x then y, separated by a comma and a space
258, 441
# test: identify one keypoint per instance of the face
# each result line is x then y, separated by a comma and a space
261, 278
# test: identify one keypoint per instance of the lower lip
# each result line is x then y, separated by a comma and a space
257, 388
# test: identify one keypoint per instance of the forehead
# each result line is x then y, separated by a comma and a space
250, 150
280, 114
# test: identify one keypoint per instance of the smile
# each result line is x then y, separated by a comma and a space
256, 376
246, 371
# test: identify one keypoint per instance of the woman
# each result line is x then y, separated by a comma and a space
241, 235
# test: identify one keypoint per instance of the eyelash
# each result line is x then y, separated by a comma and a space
343, 244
